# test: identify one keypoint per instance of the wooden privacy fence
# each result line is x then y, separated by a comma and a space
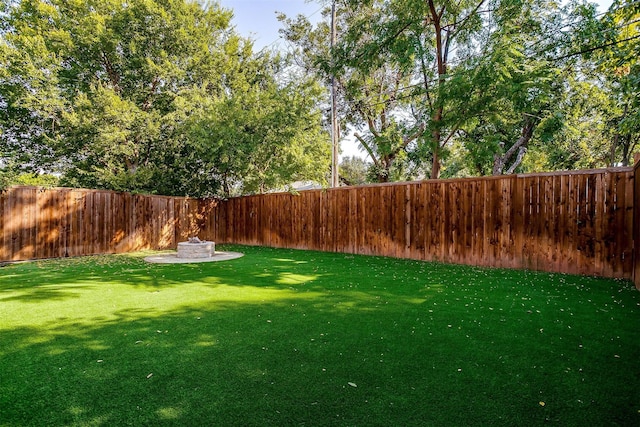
40, 223
575, 222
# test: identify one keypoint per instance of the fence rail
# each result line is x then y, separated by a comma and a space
580, 222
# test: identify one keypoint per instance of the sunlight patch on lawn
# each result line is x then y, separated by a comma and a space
294, 261
206, 340
119, 301
295, 279
170, 413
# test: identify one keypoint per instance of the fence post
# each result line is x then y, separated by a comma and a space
636, 220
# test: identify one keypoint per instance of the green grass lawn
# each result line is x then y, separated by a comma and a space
285, 337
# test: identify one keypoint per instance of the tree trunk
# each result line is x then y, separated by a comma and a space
436, 136
520, 147
435, 165
614, 148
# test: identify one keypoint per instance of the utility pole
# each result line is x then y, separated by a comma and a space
335, 131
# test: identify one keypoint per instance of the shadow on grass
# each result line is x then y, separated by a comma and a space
290, 338
65, 278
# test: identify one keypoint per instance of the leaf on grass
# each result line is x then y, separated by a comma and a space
352, 384
542, 403
150, 375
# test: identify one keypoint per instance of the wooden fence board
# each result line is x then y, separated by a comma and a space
508, 251
477, 212
339, 213
28, 247
627, 228
408, 209
621, 234
386, 222
362, 209
466, 230
418, 216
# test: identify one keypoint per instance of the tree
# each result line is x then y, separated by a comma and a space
30, 101
516, 86
263, 137
111, 91
620, 65
370, 99
419, 36
600, 109
583, 140
419, 75
354, 170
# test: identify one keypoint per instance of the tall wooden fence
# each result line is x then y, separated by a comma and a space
576, 222
46, 223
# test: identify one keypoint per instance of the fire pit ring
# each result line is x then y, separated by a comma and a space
196, 249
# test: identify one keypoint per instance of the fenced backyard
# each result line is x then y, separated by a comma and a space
581, 222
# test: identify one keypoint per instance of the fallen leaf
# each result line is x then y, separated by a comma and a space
150, 375
542, 403
352, 384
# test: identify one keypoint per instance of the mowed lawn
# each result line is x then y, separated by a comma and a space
286, 337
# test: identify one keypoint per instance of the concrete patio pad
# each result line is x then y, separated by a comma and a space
172, 258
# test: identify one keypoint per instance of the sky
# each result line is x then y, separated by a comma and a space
256, 19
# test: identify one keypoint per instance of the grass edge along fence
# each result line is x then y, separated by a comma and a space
581, 222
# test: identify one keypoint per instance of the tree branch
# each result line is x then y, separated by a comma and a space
114, 78
367, 148
521, 152
407, 140
458, 25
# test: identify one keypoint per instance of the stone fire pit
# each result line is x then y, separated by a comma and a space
196, 249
